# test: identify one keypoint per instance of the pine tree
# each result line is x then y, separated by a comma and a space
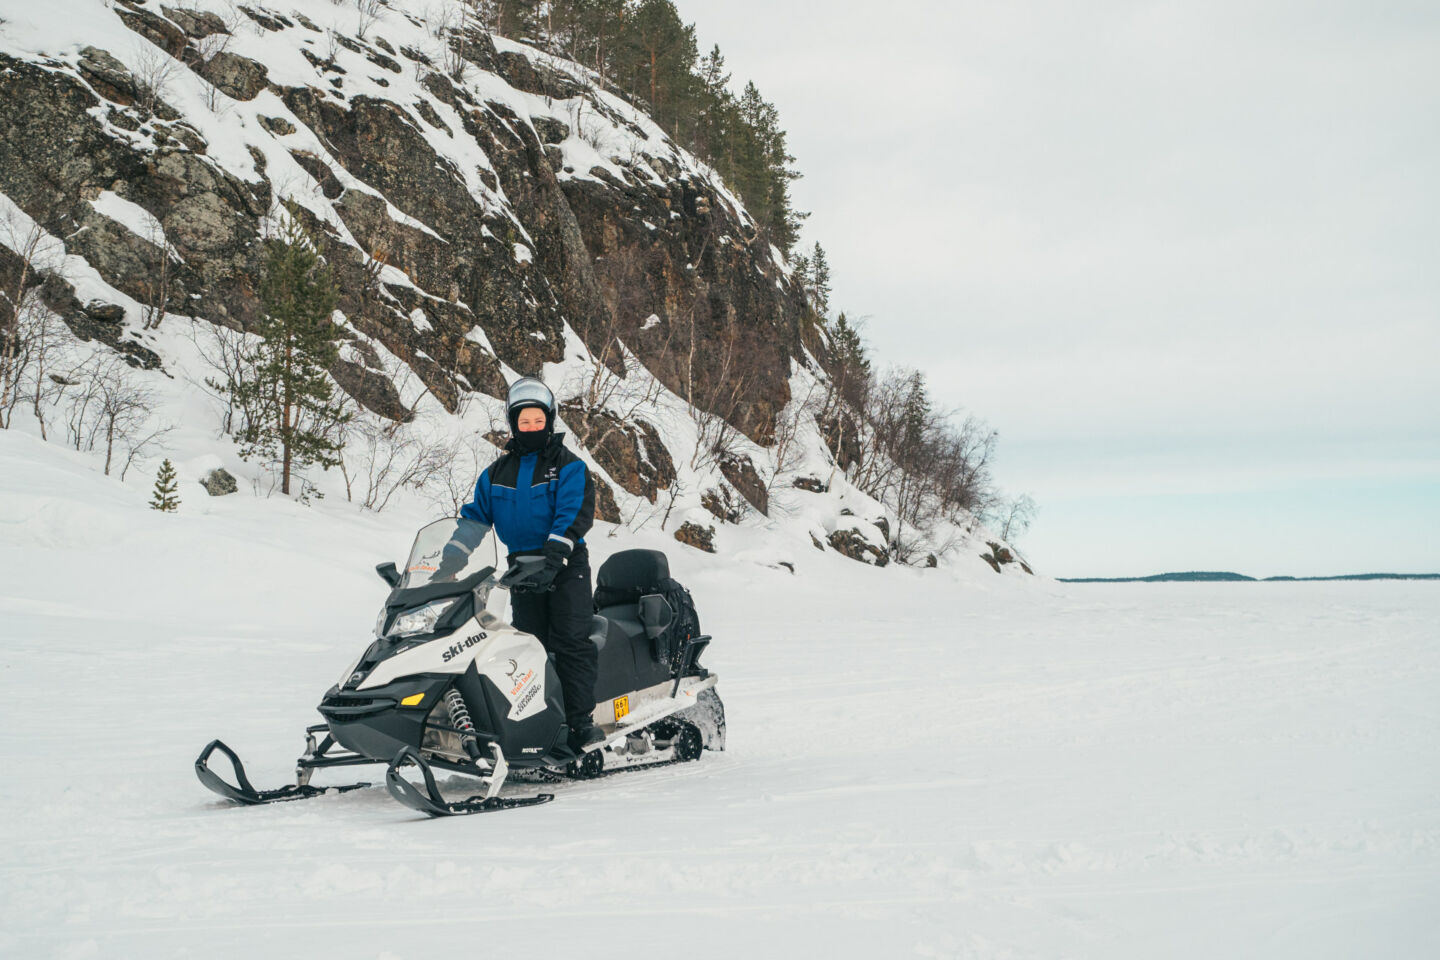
800, 264
293, 409
762, 171
915, 418
820, 281
594, 26
849, 366
518, 19
712, 72
659, 54
166, 496
713, 109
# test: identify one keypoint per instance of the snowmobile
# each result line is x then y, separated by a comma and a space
448, 684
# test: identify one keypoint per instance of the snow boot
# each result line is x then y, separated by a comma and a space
585, 735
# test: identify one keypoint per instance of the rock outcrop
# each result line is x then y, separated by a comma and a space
853, 544
631, 451
998, 556
694, 535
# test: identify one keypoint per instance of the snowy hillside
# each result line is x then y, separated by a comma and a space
929, 763
490, 210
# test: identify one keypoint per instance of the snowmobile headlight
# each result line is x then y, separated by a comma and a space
421, 619
349, 674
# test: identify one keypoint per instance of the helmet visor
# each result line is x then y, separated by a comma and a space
527, 391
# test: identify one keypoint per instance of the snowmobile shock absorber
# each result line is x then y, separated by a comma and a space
460, 720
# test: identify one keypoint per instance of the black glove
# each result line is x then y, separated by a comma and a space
556, 553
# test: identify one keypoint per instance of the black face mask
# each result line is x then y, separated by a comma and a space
533, 441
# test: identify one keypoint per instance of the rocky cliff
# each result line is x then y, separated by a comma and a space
459, 186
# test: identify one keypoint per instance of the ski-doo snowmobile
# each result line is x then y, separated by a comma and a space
448, 684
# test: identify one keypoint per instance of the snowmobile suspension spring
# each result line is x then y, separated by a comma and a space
460, 720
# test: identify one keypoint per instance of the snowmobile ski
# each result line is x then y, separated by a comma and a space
429, 801
243, 792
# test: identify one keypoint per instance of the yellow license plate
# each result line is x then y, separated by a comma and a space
622, 707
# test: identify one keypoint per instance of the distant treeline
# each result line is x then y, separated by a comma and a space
644, 48
1220, 577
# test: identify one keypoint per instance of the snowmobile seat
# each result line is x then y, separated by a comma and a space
628, 592
628, 575
599, 631
628, 595
622, 617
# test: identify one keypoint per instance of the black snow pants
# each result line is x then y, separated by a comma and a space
561, 619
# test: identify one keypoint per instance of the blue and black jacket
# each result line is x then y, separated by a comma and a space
532, 498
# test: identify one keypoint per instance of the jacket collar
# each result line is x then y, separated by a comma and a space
556, 441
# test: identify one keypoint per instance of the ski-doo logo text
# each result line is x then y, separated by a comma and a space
455, 649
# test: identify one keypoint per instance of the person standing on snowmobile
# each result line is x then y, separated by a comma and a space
540, 498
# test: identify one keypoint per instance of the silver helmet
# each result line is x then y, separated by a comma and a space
530, 392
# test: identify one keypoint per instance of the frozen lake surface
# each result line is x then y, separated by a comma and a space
920, 763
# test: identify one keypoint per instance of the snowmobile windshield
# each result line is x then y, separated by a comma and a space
444, 552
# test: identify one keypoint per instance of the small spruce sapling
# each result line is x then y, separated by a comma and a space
167, 497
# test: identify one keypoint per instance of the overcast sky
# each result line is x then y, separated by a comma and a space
1185, 257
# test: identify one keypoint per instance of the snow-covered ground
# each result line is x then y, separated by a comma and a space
921, 763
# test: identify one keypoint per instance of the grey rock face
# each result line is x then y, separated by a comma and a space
550, 129
198, 23
723, 505
373, 390
236, 76
278, 126
592, 259
744, 477
852, 543
110, 78
219, 482
104, 312
631, 452
155, 28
